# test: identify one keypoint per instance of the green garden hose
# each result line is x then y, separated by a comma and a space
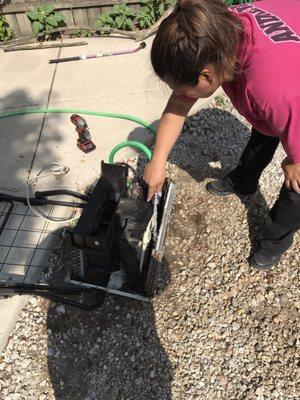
130, 143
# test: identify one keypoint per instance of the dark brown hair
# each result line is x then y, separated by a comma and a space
195, 34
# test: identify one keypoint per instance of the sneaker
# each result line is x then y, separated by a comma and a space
221, 187
262, 261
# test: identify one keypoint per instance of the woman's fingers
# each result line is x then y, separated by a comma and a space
154, 190
154, 176
293, 185
296, 186
151, 192
159, 189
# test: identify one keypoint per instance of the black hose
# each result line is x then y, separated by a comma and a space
61, 192
39, 202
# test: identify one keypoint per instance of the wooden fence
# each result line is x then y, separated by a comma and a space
76, 12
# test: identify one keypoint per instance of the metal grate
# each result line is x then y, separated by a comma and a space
25, 243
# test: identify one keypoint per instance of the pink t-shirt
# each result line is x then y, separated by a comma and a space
267, 92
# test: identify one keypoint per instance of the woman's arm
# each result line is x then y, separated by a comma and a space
169, 129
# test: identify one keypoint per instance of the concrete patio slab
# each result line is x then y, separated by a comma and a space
128, 73
20, 136
26, 78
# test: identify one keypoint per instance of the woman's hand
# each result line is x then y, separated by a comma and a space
292, 174
154, 176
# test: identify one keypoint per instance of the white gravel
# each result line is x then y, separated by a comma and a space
217, 329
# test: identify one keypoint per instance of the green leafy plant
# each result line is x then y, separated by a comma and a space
144, 19
120, 17
44, 18
154, 9
123, 17
105, 20
6, 33
219, 101
235, 2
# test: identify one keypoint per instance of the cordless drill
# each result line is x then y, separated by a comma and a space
84, 141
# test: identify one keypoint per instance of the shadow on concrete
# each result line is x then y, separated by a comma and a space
20, 137
200, 152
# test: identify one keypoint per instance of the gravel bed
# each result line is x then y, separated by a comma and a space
216, 329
